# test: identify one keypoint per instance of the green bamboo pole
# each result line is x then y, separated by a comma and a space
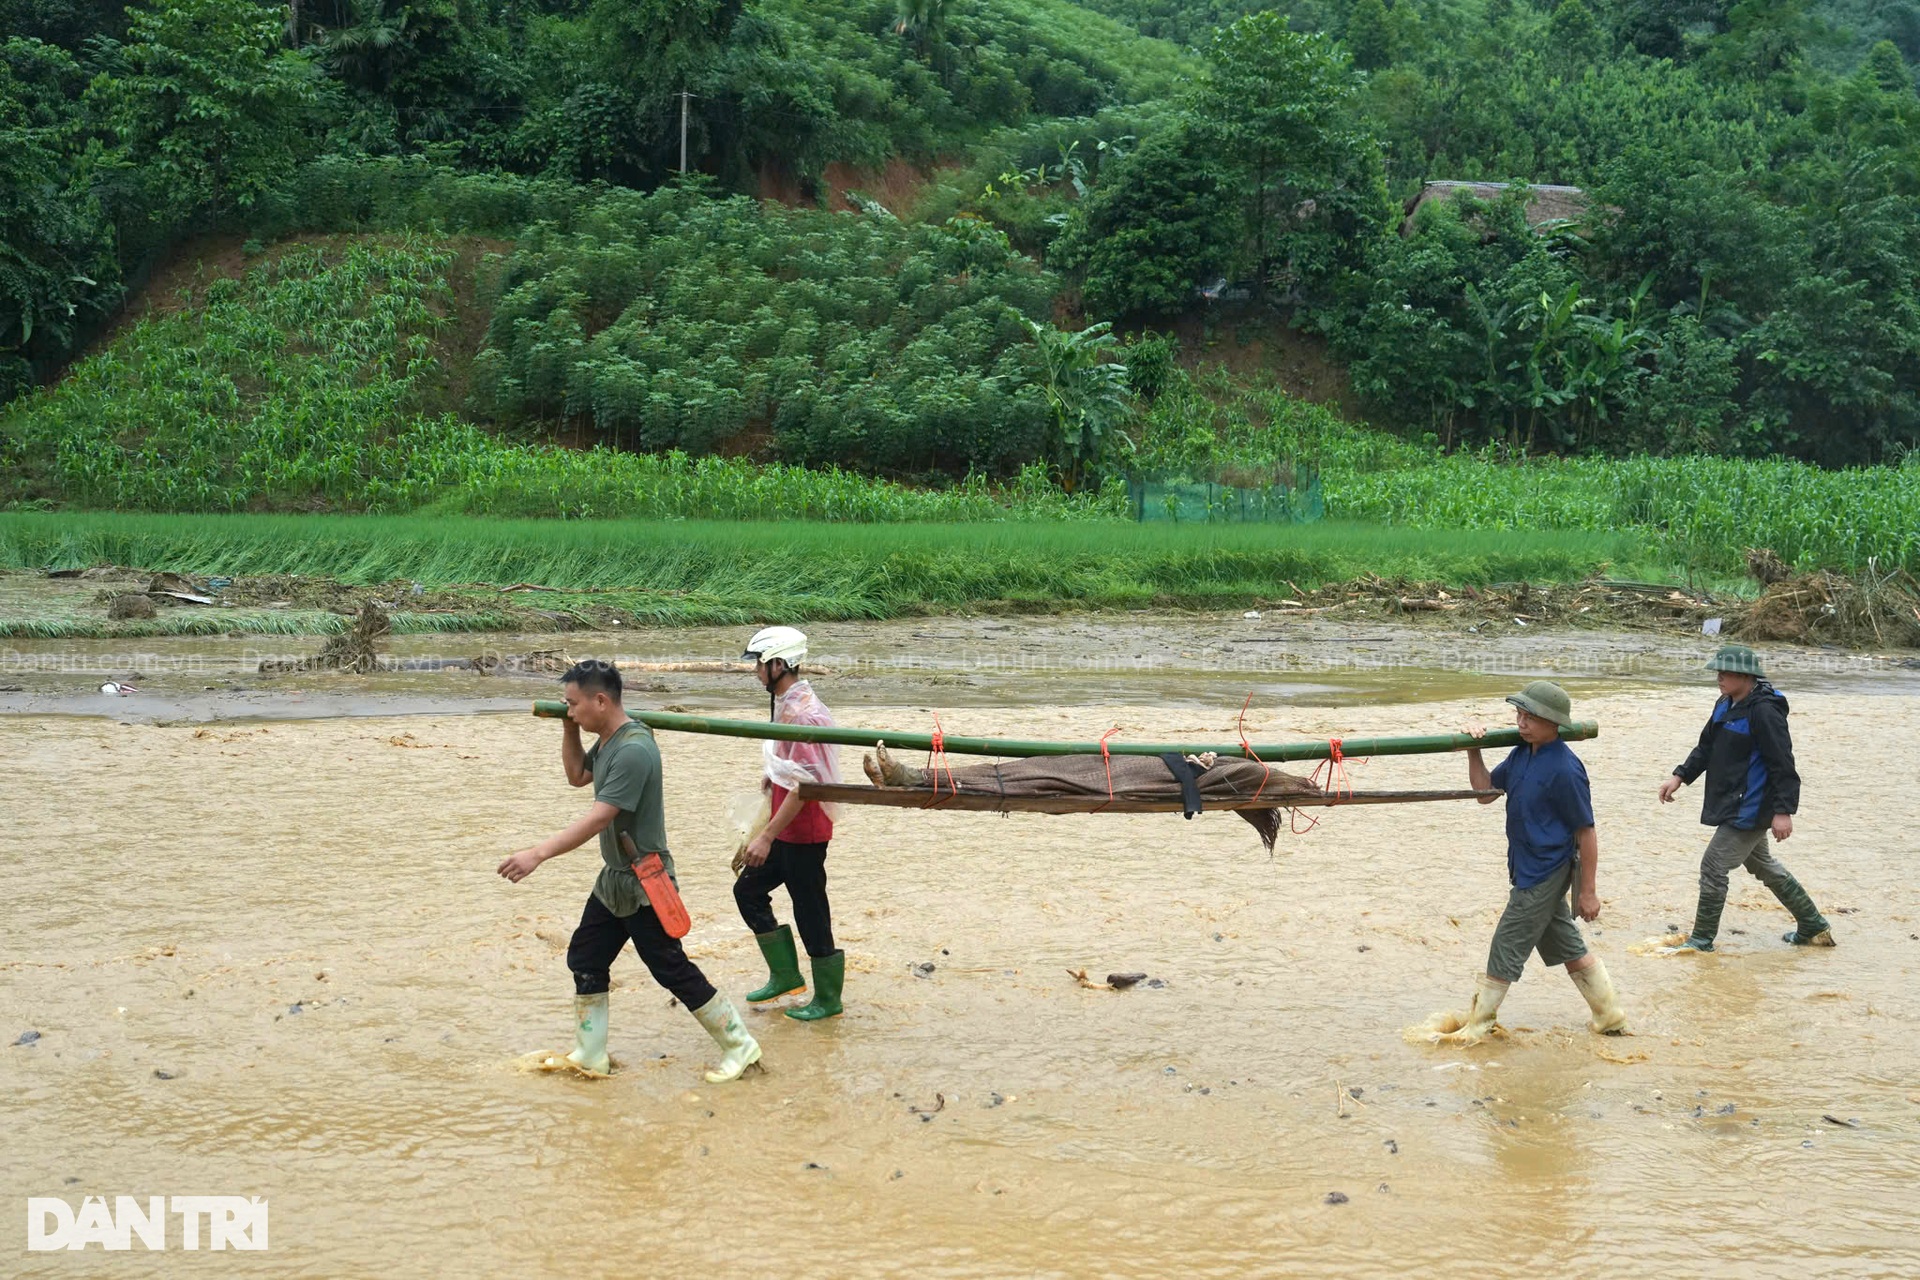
1271, 752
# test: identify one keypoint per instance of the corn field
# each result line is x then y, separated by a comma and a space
1690, 512
301, 385
296, 384
305, 385
1701, 512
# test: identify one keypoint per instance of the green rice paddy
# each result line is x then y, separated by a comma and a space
700, 572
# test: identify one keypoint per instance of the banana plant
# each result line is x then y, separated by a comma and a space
1087, 394
1609, 362
1545, 370
1492, 387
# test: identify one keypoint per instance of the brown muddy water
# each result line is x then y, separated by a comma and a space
268, 956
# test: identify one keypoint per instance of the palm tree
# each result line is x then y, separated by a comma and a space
369, 53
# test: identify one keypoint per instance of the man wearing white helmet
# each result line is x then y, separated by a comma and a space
791, 849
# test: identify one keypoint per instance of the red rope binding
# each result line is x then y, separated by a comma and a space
937, 760
1107, 758
1266, 770
1336, 768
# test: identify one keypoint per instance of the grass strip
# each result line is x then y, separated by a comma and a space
686, 572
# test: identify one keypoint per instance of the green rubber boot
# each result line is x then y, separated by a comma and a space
1706, 923
1810, 927
783, 966
829, 975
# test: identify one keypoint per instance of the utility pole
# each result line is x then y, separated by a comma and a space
683, 130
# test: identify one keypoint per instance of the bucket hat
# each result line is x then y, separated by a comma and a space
1547, 700
1738, 659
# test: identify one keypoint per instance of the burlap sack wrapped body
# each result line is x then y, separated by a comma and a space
1139, 778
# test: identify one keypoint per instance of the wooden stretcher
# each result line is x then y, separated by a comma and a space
928, 798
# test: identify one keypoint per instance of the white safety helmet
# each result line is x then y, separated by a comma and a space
787, 643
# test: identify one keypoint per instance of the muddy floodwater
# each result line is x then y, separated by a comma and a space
267, 955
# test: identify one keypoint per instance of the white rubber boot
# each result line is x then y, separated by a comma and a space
1481, 1018
590, 1034
1608, 1018
739, 1050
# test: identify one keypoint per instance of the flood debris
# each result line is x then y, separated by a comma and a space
539, 662
355, 650
100, 573
178, 586
1875, 607
1595, 602
154, 591
1872, 608
132, 606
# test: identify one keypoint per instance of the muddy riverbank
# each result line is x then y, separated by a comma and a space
1203, 660
1867, 614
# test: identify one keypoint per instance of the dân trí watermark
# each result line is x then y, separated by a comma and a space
203, 1222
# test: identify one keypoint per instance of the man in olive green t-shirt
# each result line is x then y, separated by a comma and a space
624, 768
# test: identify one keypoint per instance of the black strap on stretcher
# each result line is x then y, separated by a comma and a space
1187, 774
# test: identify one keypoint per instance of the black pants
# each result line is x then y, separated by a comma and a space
601, 935
803, 869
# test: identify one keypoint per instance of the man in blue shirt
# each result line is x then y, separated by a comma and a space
1551, 850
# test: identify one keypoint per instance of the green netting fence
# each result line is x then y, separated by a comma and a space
1184, 501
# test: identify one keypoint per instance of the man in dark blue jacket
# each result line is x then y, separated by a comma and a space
1752, 788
